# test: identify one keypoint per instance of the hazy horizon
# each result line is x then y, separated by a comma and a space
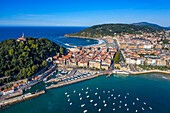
83, 13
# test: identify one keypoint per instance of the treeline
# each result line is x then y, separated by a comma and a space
20, 60
99, 31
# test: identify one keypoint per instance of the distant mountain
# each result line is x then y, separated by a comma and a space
98, 31
151, 25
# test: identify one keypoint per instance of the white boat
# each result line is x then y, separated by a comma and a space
71, 103
108, 91
127, 93
144, 103
136, 111
103, 91
97, 88
99, 110
99, 97
125, 97
113, 109
120, 101
87, 96
113, 103
74, 91
125, 104
108, 97
112, 89
95, 93
104, 101
118, 95
95, 104
105, 105
87, 87
143, 109
68, 95
68, 100
112, 95
133, 103
79, 94
82, 105
150, 108
127, 109
91, 100
82, 89
80, 98
86, 92
119, 106
84, 111
137, 99
65, 93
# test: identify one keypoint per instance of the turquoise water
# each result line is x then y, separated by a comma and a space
149, 88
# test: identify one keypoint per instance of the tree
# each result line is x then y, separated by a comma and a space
117, 58
44, 63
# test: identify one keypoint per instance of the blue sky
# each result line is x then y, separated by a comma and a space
82, 12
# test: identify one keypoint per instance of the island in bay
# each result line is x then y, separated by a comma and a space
128, 50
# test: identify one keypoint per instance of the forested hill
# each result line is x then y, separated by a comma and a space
24, 59
99, 31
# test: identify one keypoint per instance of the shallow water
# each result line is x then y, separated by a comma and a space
149, 88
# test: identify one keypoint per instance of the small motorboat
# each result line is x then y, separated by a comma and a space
137, 99
105, 105
68, 100
80, 98
85, 111
113, 109
87, 96
95, 104
99, 110
82, 105
113, 103
91, 100
150, 108
71, 103
68, 95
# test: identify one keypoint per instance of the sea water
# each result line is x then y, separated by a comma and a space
54, 34
149, 92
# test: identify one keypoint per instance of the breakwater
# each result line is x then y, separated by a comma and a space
8, 102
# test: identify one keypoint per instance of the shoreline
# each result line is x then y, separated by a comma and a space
93, 45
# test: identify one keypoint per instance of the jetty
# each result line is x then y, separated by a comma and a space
7, 102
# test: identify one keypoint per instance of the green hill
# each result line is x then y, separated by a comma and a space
150, 25
20, 60
99, 31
